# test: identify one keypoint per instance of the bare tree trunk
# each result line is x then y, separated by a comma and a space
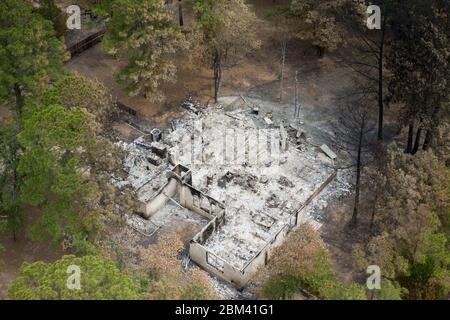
432, 129
283, 63
296, 104
180, 12
409, 144
19, 99
428, 138
417, 142
320, 51
218, 72
354, 221
380, 102
380, 81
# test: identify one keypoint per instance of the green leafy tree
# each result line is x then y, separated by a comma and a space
419, 61
75, 91
145, 34
302, 262
66, 167
410, 242
10, 180
53, 140
99, 280
428, 273
50, 11
225, 31
30, 53
317, 21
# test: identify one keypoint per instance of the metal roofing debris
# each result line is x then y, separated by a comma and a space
328, 151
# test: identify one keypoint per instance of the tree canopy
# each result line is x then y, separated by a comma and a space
302, 262
74, 91
225, 31
30, 54
144, 33
99, 280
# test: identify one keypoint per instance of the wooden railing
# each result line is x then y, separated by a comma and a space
87, 43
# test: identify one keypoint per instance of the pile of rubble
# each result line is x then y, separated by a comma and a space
261, 197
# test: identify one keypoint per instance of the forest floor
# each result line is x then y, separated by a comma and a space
322, 83
23, 250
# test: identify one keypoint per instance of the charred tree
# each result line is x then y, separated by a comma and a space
354, 135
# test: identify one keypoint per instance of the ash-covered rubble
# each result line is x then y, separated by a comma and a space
261, 197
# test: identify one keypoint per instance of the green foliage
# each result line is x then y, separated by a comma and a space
10, 181
101, 8
223, 33
279, 11
30, 54
74, 91
54, 159
419, 64
53, 139
2, 248
99, 280
389, 290
281, 287
410, 243
44, 130
50, 11
225, 27
145, 34
316, 21
320, 281
302, 262
83, 247
196, 292
204, 10
428, 273
323, 286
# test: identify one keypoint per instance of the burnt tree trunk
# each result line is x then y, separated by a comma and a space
180, 13
218, 73
380, 81
320, 51
354, 221
296, 104
417, 142
428, 138
409, 144
433, 127
283, 63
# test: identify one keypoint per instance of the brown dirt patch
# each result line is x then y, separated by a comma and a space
22, 250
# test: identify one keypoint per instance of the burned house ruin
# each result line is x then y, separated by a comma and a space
248, 177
